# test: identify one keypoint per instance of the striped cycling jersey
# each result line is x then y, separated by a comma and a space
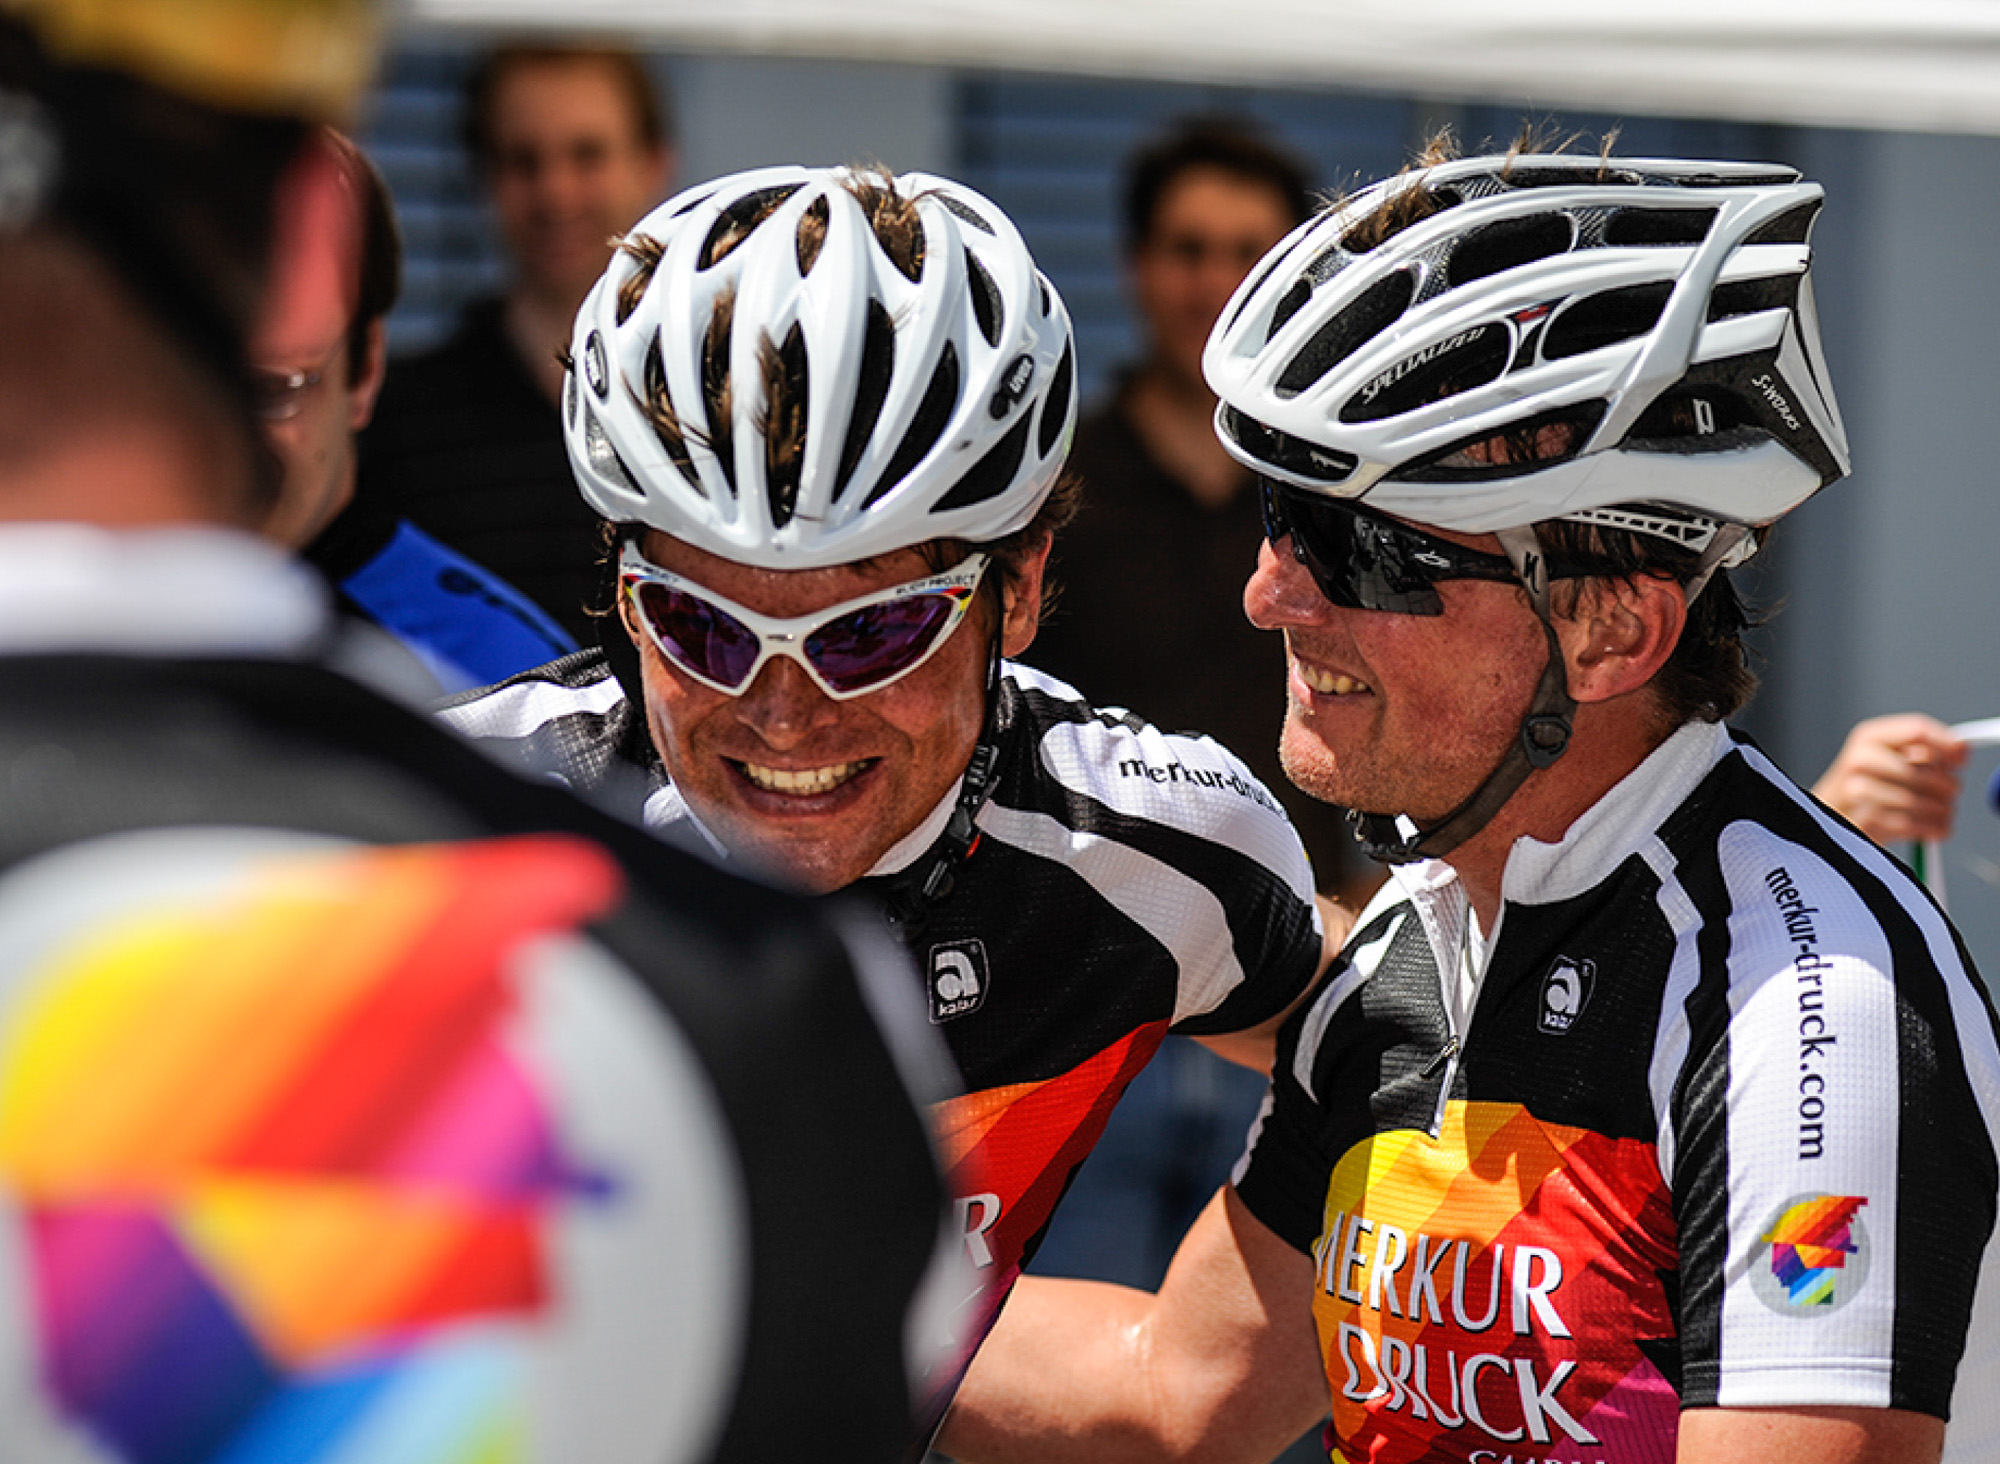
1710, 1124
1127, 882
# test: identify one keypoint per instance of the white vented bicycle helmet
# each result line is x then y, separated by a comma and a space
1651, 319
938, 401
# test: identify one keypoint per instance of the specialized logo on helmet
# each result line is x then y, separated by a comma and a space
1422, 358
1013, 386
1776, 400
1566, 992
958, 979
596, 367
1812, 1255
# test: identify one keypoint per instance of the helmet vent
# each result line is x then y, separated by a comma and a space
665, 421
648, 251
812, 234
1644, 226
1289, 304
1055, 404
1510, 244
1379, 307
738, 221
715, 385
991, 475
1748, 297
1605, 319
786, 396
1526, 446
927, 425
694, 202
964, 210
1243, 300
1567, 173
986, 305
871, 389
1285, 452
1789, 227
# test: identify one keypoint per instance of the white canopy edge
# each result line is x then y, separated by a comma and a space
1916, 65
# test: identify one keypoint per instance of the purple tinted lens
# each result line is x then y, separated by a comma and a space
875, 643
698, 636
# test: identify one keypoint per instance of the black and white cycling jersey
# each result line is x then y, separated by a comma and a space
1712, 1122
1127, 882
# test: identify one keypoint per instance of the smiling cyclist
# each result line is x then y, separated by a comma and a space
826, 413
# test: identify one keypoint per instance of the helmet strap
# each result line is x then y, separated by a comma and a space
908, 897
1544, 736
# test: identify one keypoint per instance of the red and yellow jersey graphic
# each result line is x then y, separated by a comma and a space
1490, 1293
1010, 1151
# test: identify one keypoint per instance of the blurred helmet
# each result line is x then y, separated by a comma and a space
795, 368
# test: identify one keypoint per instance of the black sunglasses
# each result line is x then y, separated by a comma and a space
1363, 561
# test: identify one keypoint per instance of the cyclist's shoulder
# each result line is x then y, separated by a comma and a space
579, 684
1109, 771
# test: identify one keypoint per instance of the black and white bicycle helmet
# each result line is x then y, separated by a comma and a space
931, 380
1649, 322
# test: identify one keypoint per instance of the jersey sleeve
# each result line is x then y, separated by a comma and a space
1181, 837
1282, 1176
1831, 1158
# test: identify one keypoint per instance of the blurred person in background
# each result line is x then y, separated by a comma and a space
318, 356
359, 1099
571, 145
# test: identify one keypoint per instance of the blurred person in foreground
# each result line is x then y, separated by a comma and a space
1649, 1111
571, 145
357, 1099
318, 355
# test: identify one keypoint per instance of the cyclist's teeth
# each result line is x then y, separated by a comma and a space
804, 781
1328, 683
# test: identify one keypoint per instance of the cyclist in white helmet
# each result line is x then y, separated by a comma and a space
826, 413
1649, 1110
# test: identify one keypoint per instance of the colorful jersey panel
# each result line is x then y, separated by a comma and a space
344, 1079
1723, 1057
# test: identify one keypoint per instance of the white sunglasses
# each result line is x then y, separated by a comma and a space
849, 649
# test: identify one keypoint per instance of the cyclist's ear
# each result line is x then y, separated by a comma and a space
1021, 595
1620, 633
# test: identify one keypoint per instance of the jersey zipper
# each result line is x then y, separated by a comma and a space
1445, 1061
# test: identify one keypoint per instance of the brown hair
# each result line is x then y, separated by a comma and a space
1708, 676
1236, 146
645, 101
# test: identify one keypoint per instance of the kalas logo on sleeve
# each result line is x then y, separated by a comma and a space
1812, 1255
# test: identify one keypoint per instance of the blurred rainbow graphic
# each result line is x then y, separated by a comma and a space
282, 1184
